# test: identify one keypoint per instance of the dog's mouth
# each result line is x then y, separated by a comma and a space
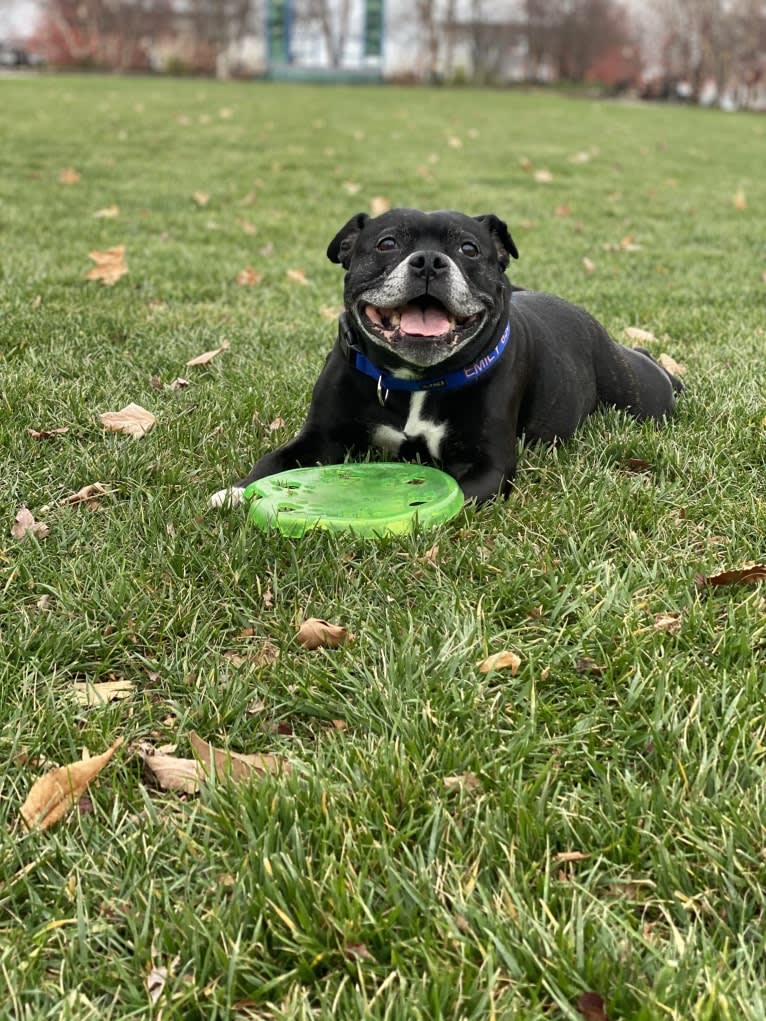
421, 319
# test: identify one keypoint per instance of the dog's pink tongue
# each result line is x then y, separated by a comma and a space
429, 322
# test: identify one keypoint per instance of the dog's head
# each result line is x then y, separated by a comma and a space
421, 287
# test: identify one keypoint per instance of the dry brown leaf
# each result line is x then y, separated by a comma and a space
47, 434
208, 356
566, 856
670, 622
592, 1007
671, 365
90, 693
89, 494
247, 227
171, 773
562, 211
110, 213
155, 982
110, 265
742, 576
69, 176
201, 198
179, 384
248, 276
469, 781
330, 312
635, 333
317, 634
500, 661
586, 665
358, 951
526, 164
543, 176
54, 794
351, 187
579, 157
25, 525
588, 265
297, 276
237, 765
339, 724
379, 204
132, 419
278, 423
763, 277
739, 200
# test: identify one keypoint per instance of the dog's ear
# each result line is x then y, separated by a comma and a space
342, 245
502, 238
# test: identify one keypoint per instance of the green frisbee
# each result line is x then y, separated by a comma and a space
388, 498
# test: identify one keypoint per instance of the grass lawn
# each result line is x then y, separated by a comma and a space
607, 834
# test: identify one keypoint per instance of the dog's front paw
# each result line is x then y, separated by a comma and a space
228, 498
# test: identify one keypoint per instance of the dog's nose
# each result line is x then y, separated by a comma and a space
427, 264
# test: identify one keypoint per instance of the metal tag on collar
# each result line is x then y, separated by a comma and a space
382, 393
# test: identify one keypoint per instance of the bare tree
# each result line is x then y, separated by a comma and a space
332, 17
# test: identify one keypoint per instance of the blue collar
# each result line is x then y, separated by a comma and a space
455, 380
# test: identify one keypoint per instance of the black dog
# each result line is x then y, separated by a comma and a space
439, 357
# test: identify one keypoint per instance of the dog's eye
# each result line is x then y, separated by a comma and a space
387, 244
470, 249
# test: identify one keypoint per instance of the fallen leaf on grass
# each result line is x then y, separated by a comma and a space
90, 494
155, 982
248, 277
318, 634
110, 213
635, 333
132, 419
741, 576
351, 187
265, 654
567, 856
588, 265
670, 622
739, 201
586, 665
500, 661
358, 952
379, 204
69, 176
25, 525
637, 465
201, 198
469, 781
89, 693
592, 1007
543, 176
223, 762
54, 794
562, 211
297, 276
171, 773
330, 312
208, 356
671, 365
47, 434
110, 265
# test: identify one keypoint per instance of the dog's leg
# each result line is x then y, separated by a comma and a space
484, 480
632, 380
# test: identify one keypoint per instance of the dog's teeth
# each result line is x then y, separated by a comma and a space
394, 318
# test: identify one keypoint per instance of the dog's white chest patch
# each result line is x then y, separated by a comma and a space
415, 428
